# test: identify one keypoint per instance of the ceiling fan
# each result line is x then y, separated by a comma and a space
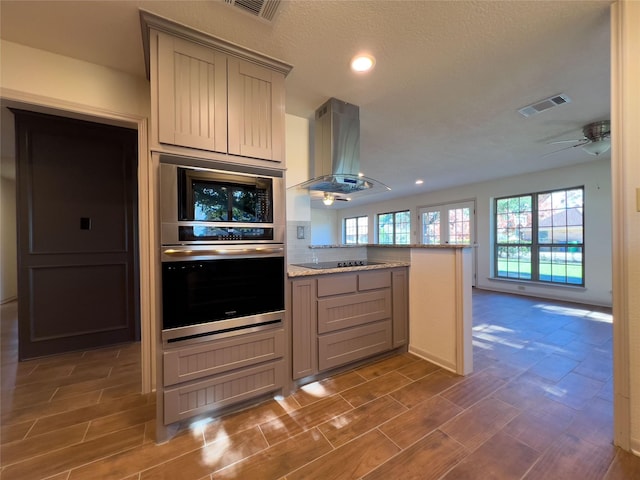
328, 198
596, 140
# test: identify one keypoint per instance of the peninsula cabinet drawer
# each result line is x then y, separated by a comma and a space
374, 279
337, 284
218, 356
340, 348
345, 311
222, 390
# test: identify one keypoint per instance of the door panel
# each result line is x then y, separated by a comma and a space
77, 270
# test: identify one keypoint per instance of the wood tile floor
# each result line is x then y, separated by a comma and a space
538, 406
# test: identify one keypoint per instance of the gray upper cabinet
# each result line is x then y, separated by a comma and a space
256, 111
192, 95
212, 99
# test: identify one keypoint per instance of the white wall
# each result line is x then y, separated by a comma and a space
325, 227
596, 178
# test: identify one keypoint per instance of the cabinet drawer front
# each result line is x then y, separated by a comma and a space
190, 363
373, 280
337, 313
222, 390
335, 349
337, 284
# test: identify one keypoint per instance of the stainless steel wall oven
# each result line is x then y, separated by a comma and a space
223, 267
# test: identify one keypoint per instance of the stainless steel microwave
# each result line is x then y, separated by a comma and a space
218, 206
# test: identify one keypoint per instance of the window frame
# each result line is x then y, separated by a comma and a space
394, 224
535, 246
358, 226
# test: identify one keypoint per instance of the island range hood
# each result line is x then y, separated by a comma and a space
337, 155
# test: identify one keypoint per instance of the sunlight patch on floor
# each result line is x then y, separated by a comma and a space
315, 389
198, 427
218, 448
576, 312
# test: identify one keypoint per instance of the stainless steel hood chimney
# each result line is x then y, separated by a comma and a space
337, 153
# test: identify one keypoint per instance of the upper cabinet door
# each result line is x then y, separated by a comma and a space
192, 95
256, 111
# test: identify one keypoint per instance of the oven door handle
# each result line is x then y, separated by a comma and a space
222, 252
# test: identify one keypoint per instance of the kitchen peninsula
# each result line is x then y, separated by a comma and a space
438, 291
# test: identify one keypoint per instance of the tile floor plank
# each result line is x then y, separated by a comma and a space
226, 450
345, 427
277, 461
427, 459
423, 418
304, 418
502, 457
352, 460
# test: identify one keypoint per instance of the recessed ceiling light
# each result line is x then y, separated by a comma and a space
419, 182
362, 63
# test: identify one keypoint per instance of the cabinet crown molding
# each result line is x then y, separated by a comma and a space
150, 21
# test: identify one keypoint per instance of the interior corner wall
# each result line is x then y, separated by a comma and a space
596, 178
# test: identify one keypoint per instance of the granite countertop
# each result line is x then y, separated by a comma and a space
297, 271
412, 245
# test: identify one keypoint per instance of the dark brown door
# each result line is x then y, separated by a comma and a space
77, 237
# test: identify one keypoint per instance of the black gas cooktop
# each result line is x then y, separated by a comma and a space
337, 264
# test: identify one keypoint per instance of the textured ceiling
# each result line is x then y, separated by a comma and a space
441, 103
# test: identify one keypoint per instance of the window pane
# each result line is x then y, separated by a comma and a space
385, 228
350, 230
363, 230
459, 226
431, 228
514, 262
402, 227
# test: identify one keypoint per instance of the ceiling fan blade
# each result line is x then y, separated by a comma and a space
567, 148
567, 141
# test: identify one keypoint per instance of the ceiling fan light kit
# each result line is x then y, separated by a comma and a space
596, 140
597, 147
328, 199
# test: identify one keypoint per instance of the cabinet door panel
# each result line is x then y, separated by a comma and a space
303, 330
192, 91
256, 111
400, 308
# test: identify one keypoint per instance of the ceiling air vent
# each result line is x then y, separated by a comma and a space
265, 9
543, 105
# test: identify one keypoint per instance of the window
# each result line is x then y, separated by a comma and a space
356, 230
447, 224
540, 237
394, 228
